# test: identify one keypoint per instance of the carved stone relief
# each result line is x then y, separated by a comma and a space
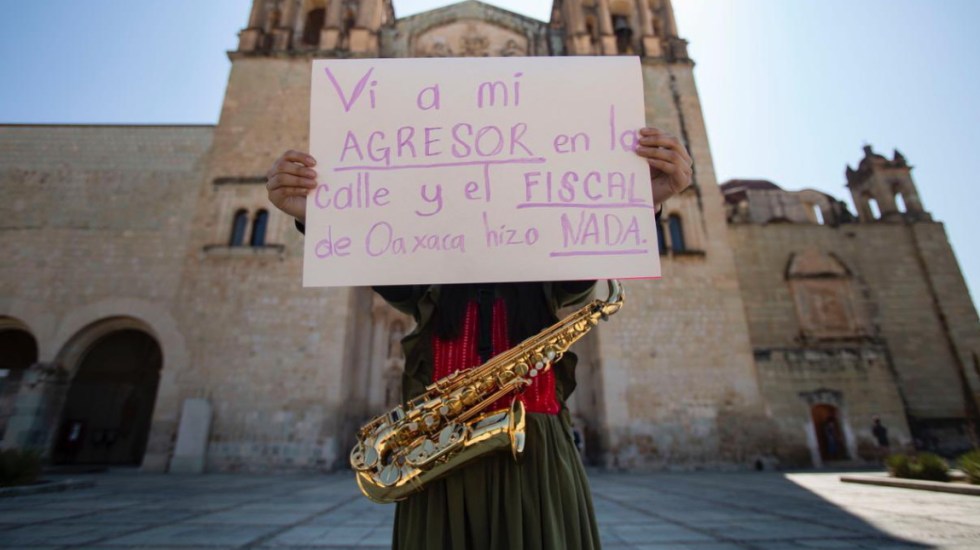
470, 39
826, 300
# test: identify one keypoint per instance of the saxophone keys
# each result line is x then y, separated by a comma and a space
370, 457
469, 396
521, 369
551, 353
451, 407
390, 475
430, 422
357, 457
451, 435
421, 454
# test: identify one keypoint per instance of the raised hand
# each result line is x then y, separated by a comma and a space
290, 180
671, 166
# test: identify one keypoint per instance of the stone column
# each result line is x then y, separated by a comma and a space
579, 42
255, 18
369, 15
250, 38
671, 22
646, 17
651, 44
330, 35
283, 35
606, 36
574, 22
364, 37
605, 18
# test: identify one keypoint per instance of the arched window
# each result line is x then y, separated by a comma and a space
900, 203
258, 228
875, 211
818, 214
624, 34
676, 233
313, 25
238, 228
349, 20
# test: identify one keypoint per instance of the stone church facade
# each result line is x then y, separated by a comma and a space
152, 313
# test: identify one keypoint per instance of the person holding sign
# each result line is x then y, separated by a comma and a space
543, 502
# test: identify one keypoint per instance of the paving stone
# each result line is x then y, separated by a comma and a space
239, 517
657, 533
60, 533
699, 511
322, 536
185, 534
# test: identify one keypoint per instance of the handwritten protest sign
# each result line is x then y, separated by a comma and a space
478, 170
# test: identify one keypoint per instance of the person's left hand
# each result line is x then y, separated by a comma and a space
671, 167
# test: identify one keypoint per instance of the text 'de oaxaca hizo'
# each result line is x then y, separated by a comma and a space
478, 170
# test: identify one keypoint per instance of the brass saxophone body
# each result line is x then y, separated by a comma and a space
401, 451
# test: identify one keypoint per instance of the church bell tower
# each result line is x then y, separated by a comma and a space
297, 26
620, 27
883, 189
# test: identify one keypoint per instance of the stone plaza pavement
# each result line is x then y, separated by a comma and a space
694, 511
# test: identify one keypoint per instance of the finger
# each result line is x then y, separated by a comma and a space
662, 154
668, 168
291, 158
287, 167
298, 156
668, 142
651, 131
659, 140
280, 181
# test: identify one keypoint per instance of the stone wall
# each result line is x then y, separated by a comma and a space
93, 227
896, 269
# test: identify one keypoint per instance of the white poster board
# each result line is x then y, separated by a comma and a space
478, 170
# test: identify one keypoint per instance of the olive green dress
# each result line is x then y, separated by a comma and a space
542, 502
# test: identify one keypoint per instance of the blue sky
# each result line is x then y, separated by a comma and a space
791, 89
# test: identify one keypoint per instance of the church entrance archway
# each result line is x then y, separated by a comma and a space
18, 351
830, 436
109, 404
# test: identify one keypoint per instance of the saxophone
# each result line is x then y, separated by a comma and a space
399, 452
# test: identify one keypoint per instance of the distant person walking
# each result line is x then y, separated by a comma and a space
830, 436
880, 433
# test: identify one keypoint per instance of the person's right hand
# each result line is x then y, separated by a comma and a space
290, 179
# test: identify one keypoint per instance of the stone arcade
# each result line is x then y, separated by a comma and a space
782, 326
